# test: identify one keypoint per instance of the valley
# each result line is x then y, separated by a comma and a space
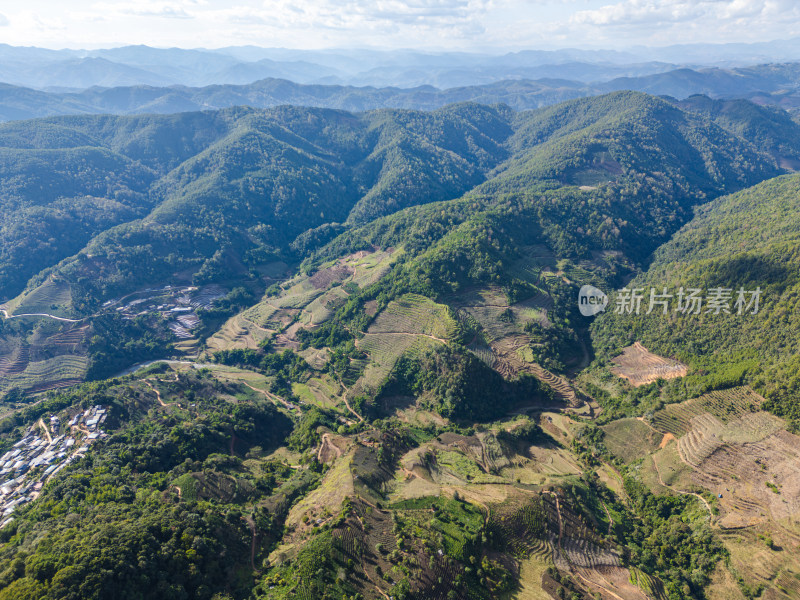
339, 355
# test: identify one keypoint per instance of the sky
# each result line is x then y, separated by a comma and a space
467, 25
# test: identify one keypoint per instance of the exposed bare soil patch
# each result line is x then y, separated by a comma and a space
640, 366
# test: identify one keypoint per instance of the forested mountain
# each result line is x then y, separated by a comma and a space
749, 241
377, 380
190, 185
242, 180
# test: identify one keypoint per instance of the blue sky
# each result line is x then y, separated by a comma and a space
480, 25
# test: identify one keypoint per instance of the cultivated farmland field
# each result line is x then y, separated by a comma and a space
51, 297
640, 366
723, 404
52, 373
409, 325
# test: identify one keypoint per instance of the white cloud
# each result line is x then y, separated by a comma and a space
171, 9
456, 24
406, 22
642, 12
688, 21
638, 12
346, 13
3, 20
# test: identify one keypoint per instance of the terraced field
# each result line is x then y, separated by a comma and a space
578, 551
50, 297
702, 439
497, 318
15, 357
758, 565
502, 342
384, 351
665, 469
511, 360
630, 439
369, 267
522, 523
320, 391
304, 301
555, 462
409, 325
742, 455
60, 371
724, 444
483, 351
51, 354
724, 586
322, 307
724, 405
237, 332
415, 315
640, 366
759, 481
259, 314
69, 338
206, 296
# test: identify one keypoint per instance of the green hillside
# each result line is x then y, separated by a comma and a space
239, 181
748, 240
248, 183
377, 382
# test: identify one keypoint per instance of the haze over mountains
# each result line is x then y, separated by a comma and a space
37, 82
142, 65
42, 68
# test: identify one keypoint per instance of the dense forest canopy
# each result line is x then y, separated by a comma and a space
139, 199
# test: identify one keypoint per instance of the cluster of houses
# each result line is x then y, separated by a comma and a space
176, 304
26, 467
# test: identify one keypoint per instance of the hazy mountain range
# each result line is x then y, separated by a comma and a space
41, 68
764, 84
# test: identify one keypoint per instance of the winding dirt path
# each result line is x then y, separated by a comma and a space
271, 396
685, 493
157, 393
405, 333
591, 584
252, 523
45, 429
65, 320
257, 326
608, 514
350, 408
326, 442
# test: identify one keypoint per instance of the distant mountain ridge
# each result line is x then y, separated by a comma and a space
72, 69
65, 70
771, 84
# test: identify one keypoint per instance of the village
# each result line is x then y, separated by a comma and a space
43, 452
178, 305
